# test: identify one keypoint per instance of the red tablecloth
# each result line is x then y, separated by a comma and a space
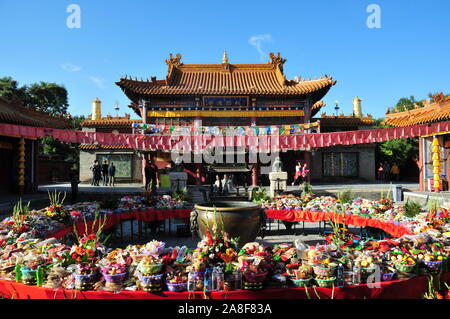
408, 289
114, 219
394, 230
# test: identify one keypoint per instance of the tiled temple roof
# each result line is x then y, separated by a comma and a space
437, 111
106, 147
226, 79
111, 122
14, 114
332, 120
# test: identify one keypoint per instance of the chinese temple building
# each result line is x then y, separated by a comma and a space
19, 165
246, 96
344, 163
433, 150
128, 163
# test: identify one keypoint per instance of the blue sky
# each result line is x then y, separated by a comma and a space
409, 55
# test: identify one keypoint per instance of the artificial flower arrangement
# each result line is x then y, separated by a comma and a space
56, 210
89, 248
21, 220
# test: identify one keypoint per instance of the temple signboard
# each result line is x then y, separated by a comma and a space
225, 101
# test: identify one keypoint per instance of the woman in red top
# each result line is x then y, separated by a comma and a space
298, 172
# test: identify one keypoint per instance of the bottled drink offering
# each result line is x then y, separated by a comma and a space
207, 282
191, 281
340, 276
356, 275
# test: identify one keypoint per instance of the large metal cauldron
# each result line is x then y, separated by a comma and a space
240, 219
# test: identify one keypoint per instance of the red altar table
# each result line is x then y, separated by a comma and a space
407, 289
391, 228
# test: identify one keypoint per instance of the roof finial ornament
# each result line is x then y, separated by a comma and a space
277, 60
176, 61
225, 57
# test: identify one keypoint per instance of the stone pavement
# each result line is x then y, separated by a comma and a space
88, 192
318, 188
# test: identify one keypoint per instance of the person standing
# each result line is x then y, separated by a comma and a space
305, 172
395, 172
93, 172
298, 172
387, 171
105, 173
74, 181
217, 186
111, 174
151, 171
96, 173
380, 172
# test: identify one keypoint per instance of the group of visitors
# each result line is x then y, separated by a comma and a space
224, 186
105, 172
387, 172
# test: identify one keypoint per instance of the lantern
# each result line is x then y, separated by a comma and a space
436, 163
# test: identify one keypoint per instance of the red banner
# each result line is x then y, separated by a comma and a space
264, 143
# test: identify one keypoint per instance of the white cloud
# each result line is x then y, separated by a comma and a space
97, 81
69, 67
257, 41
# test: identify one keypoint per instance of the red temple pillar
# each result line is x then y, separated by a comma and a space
308, 162
421, 165
255, 174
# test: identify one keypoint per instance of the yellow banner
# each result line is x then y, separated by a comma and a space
436, 134
225, 113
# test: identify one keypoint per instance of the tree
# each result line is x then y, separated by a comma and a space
405, 104
68, 151
9, 89
399, 151
50, 98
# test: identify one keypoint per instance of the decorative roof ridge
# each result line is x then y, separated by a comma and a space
343, 116
105, 120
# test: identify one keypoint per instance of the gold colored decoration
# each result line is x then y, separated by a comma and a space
22, 162
225, 57
175, 61
436, 164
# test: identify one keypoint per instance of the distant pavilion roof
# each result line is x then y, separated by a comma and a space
341, 119
225, 79
14, 114
111, 122
437, 111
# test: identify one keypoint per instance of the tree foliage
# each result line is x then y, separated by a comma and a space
50, 98
405, 104
399, 151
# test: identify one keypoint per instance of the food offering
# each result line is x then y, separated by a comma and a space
29, 254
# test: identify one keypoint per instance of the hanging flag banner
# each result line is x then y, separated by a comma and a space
286, 141
237, 130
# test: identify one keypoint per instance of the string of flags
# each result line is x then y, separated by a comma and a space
237, 130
